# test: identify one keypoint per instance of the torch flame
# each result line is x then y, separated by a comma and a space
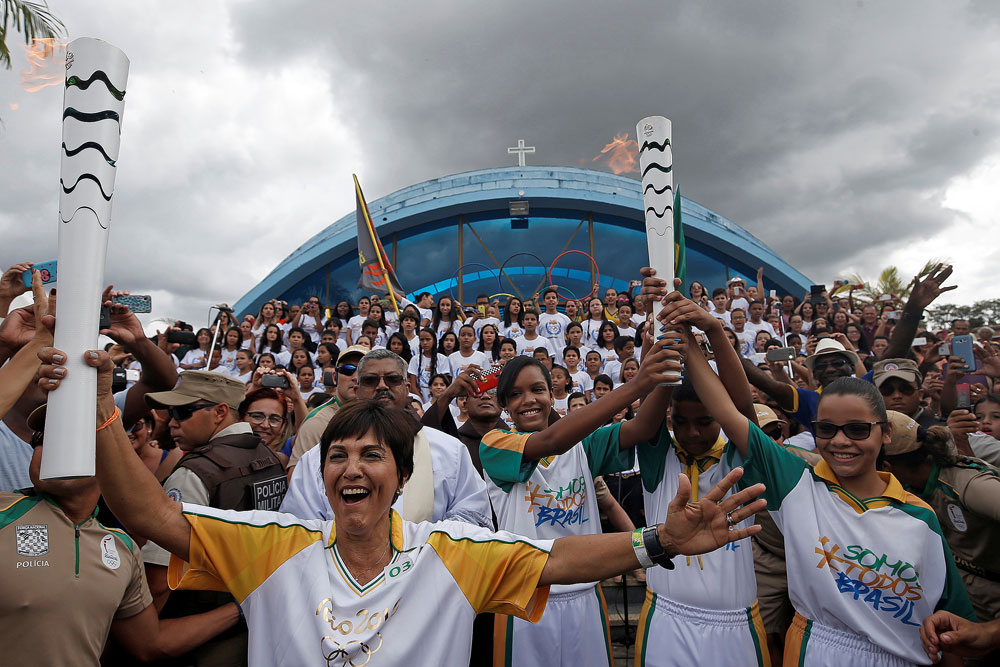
620, 155
46, 60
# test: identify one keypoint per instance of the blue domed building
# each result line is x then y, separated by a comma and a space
452, 234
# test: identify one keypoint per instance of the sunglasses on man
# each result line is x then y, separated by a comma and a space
182, 413
888, 388
836, 364
391, 380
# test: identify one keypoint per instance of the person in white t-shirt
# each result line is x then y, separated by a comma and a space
446, 317
756, 323
267, 315
591, 324
232, 342
243, 367
364, 304
579, 380
249, 339
746, 338
625, 327
530, 341
513, 314
552, 324
489, 342
467, 354
425, 307
271, 341
737, 294
720, 306
310, 318
424, 366
606, 343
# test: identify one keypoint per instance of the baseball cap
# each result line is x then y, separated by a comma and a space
905, 369
766, 415
904, 434
830, 346
360, 350
194, 386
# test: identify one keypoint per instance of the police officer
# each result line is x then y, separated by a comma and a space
69, 581
225, 465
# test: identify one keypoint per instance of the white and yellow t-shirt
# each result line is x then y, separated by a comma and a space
303, 607
874, 567
552, 497
722, 580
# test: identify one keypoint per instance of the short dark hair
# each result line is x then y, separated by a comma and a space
685, 393
621, 342
575, 395
391, 426
717, 291
550, 289
513, 368
604, 379
571, 348
369, 323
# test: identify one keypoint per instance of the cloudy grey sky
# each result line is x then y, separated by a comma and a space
845, 135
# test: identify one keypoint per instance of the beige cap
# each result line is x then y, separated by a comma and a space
766, 415
354, 349
195, 386
830, 346
904, 369
904, 434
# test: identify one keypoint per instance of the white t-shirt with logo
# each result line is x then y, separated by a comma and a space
528, 347
553, 326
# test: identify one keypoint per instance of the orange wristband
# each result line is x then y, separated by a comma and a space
114, 415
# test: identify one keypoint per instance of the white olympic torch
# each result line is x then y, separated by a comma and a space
656, 164
93, 102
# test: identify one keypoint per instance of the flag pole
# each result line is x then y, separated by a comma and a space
376, 244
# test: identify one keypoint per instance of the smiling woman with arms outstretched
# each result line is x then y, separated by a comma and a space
369, 586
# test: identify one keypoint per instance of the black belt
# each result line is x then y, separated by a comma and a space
976, 570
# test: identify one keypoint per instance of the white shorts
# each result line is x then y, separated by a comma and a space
573, 631
674, 634
816, 645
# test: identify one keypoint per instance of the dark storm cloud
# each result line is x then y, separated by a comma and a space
775, 107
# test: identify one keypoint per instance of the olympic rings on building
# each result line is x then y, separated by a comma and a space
518, 254
593, 263
451, 290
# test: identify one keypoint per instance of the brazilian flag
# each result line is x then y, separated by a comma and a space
680, 252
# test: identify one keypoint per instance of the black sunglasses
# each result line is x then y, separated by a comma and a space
347, 369
391, 380
820, 366
773, 433
184, 412
853, 430
889, 388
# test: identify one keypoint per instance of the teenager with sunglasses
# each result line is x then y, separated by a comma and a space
314, 424
866, 560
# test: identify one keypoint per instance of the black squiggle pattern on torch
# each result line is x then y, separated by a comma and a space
70, 219
84, 84
84, 146
87, 177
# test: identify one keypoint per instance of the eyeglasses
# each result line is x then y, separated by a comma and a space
888, 388
134, 432
773, 433
184, 412
391, 380
347, 369
259, 418
853, 430
836, 364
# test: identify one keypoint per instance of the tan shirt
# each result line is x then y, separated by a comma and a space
312, 429
63, 585
966, 499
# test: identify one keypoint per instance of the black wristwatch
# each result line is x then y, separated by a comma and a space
655, 551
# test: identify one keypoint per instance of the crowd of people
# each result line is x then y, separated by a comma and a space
427, 482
